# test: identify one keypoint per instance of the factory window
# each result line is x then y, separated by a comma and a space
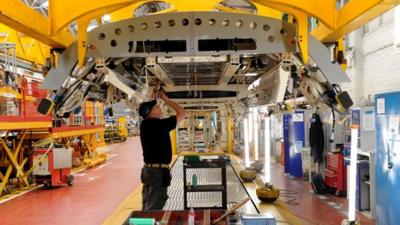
366, 29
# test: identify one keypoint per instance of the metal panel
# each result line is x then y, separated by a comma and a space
322, 57
66, 63
62, 158
296, 141
43, 168
266, 32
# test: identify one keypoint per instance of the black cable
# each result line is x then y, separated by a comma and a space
292, 201
288, 194
333, 125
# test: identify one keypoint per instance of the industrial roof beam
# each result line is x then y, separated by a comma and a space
27, 48
353, 15
17, 15
324, 11
63, 13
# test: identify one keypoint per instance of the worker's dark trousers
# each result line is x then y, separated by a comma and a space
155, 186
154, 197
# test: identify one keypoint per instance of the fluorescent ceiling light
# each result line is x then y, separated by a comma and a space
250, 126
246, 144
353, 175
255, 136
267, 150
251, 74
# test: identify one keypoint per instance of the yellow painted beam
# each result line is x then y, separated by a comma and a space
169, 10
263, 10
302, 21
83, 23
62, 13
13, 158
27, 48
303, 35
24, 125
230, 125
17, 15
231, 10
324, 11
173, 142
82, 40
126, 12
76, 133
353, 15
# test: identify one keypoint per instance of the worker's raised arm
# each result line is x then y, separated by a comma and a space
180, 112
155, 91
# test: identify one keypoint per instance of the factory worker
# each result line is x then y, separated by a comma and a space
157, 151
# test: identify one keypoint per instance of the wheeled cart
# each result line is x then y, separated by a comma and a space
53, 166
196, 164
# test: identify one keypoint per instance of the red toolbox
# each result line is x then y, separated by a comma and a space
335, 174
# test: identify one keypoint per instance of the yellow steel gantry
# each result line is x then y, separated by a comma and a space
334, 23
27, 48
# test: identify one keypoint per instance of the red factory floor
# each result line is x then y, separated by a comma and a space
95, 194
312, 208
98, 191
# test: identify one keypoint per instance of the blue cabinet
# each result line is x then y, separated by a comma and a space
294, 139
387, 108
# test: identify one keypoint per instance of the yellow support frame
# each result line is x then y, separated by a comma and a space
322, 10
27, 48
92, 157
63, 13
173, 142
12, 157
64, 134
230, 125
353, 15
17, 15
52, 31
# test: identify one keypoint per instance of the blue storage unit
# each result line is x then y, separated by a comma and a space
287, 119
294, 139
297, 137
387, 108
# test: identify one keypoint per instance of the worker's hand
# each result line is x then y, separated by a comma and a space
163, 96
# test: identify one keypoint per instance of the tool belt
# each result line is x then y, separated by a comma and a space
156, 165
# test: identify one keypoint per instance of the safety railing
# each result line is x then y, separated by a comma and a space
20, 98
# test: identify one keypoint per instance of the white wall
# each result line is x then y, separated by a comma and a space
376, 60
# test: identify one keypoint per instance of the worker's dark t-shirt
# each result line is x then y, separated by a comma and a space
156, 143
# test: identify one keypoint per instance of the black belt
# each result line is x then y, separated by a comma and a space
156, 165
